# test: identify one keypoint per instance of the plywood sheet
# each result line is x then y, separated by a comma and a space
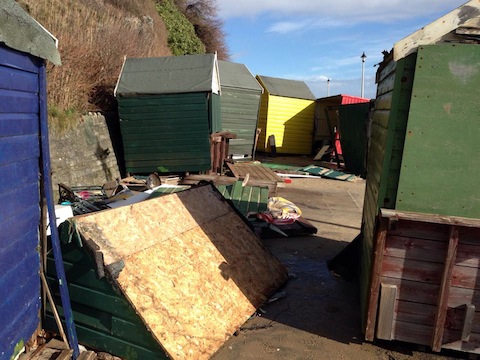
192, 269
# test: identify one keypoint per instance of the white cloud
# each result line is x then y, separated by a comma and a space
349, 11
286, 27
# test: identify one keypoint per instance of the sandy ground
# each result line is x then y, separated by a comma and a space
319, 317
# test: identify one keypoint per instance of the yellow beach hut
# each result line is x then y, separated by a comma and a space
286, 116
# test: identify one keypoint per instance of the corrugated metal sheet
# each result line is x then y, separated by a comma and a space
246, 199
165, 133
290, 120
19, 196
442, 136
240, 105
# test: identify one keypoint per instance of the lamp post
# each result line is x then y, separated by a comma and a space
328, 87
363, 57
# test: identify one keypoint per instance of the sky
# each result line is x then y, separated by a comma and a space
316, 40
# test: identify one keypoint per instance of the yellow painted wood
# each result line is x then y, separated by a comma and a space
290, 121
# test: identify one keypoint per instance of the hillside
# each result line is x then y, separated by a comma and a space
95, 36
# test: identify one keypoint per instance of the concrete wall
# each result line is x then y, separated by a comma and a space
84, 154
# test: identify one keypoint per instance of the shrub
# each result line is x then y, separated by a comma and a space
182, 39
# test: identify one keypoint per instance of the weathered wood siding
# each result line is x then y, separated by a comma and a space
19, 198
262, 143
384, 154
291, 122
166, 133
433, 263
239, 111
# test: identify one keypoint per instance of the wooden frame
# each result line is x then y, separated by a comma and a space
424, 283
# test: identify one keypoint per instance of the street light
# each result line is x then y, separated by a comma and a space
363, 57
328, 87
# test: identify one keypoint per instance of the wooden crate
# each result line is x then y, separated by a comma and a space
425, 281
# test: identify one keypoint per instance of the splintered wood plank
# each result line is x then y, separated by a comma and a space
199, 274
443, 295
386, 311
430, 218
433, 32
256, 172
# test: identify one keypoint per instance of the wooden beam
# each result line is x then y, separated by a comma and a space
435, 31
429, 218
442, 306
386, 312
372, 304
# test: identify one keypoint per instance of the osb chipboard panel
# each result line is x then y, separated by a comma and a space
126, 230
199, 274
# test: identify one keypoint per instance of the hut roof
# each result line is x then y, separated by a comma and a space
21, 32
288, 88
237, 76
169, 75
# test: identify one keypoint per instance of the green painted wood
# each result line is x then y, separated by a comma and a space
440, 157
401, 108
353, 120
104, 319
392, 93
166, 133
240, 116
246, 198
109, 343
215, 113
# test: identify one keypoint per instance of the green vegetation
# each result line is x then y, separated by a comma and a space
95, 37
60, 120
182, 39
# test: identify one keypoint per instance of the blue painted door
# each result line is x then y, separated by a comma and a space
19, 198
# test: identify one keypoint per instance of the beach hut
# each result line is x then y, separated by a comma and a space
240, 102
168, 107
326, 122
25, 172
420, 250
286, 116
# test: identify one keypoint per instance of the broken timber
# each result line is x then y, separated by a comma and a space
193, 276
424, 282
